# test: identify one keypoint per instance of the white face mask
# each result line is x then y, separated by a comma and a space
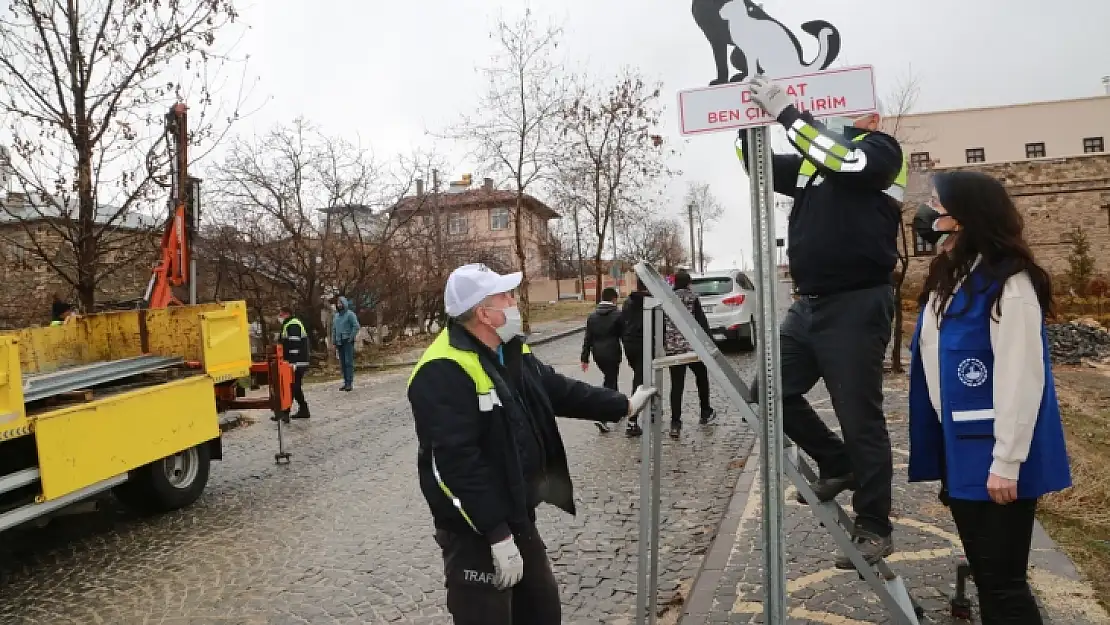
513, 327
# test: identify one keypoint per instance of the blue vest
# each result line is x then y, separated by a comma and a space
958, 447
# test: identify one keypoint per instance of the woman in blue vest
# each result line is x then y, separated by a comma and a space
983, 413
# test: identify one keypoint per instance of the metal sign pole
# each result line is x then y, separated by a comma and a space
647, 589
770, 380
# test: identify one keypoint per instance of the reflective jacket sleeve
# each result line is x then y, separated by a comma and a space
784, 167
449, 424
575, 399
874, 161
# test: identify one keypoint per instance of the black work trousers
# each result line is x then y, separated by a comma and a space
634, 353
298, 389
842, 338
678, 385
997, 539
610, 370
472, 599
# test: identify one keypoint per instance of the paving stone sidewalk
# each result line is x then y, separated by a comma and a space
729, 587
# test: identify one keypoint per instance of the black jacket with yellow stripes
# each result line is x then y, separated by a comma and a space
843, 227
487, 471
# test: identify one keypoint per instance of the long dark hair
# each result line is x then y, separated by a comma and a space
990, 228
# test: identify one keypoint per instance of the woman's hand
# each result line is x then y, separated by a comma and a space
1001, 490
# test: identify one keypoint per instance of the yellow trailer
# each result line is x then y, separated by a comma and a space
123, 400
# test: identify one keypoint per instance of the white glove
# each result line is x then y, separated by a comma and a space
769, 95
640, 399
508, 565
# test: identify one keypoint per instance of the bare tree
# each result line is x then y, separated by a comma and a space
897, 106
513, 131
85, 85
613, 156
705, 210
657, 241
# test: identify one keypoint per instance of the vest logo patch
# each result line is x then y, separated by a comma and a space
972, 372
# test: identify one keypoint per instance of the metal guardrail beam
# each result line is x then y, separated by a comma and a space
39, 387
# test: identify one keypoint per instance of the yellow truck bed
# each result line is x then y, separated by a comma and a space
113, 430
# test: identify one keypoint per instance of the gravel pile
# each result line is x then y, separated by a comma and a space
1072, 343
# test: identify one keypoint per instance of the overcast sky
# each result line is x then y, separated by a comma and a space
387, 71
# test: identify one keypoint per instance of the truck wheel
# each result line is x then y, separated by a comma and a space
168, 484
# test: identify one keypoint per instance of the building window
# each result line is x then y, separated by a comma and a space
1092, 145
456, 225
499, 219
919, 160
1034, 150
976, 155
921, 247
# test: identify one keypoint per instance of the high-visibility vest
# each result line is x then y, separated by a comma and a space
56, 323
293, 321
441, 349
808, 171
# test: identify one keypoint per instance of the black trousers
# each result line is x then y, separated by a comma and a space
298, 391
842, 338
635, 356
472, 599
996, 541
610, 370
678, 385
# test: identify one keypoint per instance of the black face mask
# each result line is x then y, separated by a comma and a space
923, 222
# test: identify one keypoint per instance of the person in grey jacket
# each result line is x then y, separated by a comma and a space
344, 329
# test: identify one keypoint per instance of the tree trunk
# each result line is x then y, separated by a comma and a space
581, 265
522, 297
85, 241
597, 272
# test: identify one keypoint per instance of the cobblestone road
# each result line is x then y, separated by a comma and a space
342, 534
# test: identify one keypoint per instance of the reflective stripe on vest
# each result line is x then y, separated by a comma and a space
56, 323
285, 329
897, 191
441, 349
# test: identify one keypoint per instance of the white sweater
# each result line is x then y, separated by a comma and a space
1018, 371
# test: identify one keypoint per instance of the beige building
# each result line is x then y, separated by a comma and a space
1052, 156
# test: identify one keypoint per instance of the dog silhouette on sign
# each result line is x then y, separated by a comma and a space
761, 44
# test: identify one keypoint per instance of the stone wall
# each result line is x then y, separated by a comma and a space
1054, 196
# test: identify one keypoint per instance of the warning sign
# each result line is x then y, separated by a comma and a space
843, 92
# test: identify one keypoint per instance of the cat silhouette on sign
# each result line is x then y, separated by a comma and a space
761, 44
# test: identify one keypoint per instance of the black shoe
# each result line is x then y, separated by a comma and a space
708, 416
827, 488
346, 389
602, 428
676, 429
301, 414
633, 430
872, 546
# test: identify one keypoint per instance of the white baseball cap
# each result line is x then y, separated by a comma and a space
470, 284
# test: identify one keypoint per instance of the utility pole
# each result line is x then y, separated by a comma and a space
693, 250
701, 249
435, 219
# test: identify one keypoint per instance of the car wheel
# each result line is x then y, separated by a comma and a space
748, 343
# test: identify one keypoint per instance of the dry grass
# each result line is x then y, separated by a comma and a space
1079, 518
562, 311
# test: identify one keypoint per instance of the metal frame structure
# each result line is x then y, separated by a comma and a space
768, 422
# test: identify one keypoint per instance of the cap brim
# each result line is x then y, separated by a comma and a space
507, 283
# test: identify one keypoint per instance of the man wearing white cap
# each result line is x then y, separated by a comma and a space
490, 451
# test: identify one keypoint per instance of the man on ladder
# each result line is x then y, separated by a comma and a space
843, 232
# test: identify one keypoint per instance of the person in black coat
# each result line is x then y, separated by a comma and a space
632, 337
603, 339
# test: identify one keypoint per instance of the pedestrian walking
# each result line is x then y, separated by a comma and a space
675, 344
344, 331
602, 339
296, 348
984, 418
843, 230
632, 338
490, 451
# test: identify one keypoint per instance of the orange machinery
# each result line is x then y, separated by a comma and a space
177, 270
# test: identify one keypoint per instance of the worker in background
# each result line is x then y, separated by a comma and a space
843, 230
490, 451
295, 345
674, 344
632, 337
62, 313
344, 331
603, 340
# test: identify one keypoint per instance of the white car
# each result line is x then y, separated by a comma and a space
728, 299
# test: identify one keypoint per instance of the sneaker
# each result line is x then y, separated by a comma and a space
676, 429
602, 428
872, 546
827, 488
708, 416
633, 430
346, 389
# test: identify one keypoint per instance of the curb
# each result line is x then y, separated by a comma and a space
699, 603
412, 363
